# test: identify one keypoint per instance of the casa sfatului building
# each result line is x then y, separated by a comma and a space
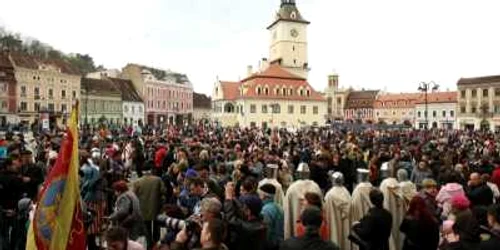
277, 94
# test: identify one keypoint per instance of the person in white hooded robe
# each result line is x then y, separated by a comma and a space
292, 205
337, 209
395, 203
360, 203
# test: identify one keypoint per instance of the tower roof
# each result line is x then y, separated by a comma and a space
288, 12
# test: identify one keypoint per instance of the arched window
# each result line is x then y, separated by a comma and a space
284, 91
259, 91
301, 92
290, 92
308, 92
266, 91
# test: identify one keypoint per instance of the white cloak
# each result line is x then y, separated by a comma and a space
360, 204
395, 202
279, 195
337, 212
292, 206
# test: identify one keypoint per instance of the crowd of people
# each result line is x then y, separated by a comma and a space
208, 187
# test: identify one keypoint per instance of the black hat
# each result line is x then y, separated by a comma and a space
311, 217
268, 189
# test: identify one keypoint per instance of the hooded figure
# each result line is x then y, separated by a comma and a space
337, 208
395, 203
360, 203
271, 178
292, 206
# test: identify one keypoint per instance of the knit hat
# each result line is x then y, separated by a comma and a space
252, 202
268, 189
191, 173
460, 202
311, 217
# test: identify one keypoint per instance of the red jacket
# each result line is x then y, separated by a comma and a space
159, 156
495, 176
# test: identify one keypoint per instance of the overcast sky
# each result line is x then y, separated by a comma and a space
374, 44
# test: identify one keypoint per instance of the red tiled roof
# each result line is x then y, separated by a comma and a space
273, 77
401, 100
479, 80
32, 62
361, 99
439, 97
230, 90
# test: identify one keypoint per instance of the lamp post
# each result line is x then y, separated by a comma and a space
424, 88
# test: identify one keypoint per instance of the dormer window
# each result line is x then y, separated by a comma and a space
290, 92
266, 91
301, 92
284, 91
259, 91
308, 92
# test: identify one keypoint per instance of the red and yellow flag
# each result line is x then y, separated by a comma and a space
58, 219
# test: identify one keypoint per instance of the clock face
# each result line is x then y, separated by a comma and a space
294, 33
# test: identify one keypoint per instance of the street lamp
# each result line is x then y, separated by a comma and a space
424, 88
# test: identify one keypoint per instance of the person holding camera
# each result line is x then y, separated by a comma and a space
212, 236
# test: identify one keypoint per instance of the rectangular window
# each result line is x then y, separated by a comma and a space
452, 113
444, 113
64, 108
51, 93
485, 92
51, 107
474, 93
24, 106
253, 109
462, 94
276, 109
339, 100
419, 114
497, 91
3, 87
37, 106
315, 110
74, 94
473, 110
303, 109
290, 109
23, 91
37, 93
462, 110
264, 109
63, 94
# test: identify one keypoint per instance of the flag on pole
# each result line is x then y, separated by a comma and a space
58, 218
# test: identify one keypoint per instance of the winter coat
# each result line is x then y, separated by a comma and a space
418, 175
445, 194
273, 217
310, 241
375, 228
480, 195
127, 214
149, 190
419, 235
243, 234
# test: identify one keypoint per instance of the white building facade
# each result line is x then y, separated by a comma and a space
441, 111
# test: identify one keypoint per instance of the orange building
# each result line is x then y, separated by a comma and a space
393, 108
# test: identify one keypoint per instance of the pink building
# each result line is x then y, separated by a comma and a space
168, 96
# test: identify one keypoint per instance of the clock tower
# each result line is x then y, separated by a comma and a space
289, 39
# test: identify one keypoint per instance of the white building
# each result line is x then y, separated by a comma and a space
441, 111
277, 94
133, 106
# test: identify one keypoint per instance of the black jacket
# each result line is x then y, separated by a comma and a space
419, 234
492, 243
375, 228
480, 195
310, 241
243, 234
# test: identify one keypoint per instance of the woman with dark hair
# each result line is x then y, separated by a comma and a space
314, 200
420, 227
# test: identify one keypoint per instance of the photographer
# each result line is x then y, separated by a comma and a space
210, 208
212, 235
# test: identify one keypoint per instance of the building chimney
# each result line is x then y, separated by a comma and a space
264, 64
249, 70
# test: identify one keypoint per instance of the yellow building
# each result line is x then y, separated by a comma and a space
393, 108
51, 85
278, 94
479, 103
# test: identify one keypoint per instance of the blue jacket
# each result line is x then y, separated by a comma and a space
273, 217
